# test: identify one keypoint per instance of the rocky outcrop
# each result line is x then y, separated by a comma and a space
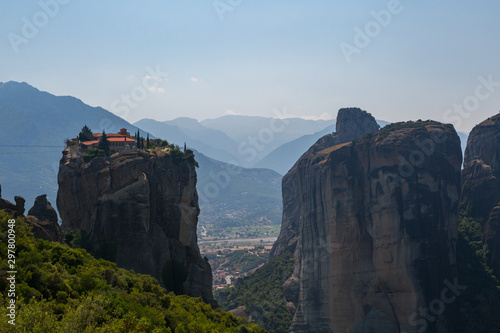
43, 219
20, 202
377, 221
16, 209
139, 210
351, 123
481, 185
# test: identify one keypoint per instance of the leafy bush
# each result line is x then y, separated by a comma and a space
190, 159
177, 155
93, 153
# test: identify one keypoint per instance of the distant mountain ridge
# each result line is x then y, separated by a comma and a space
233, 196
173, 133
34, 125
285, 129
241, 140
257, 136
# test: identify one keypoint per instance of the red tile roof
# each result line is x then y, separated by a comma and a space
122, 136
89, 143
122, 139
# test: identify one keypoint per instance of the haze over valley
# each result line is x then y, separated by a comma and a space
242, 166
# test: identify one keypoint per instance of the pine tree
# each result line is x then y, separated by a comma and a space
147, 142
86, 134
184, 147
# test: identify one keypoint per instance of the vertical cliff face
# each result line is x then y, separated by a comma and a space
139, 210
352, 123
377, 221
481, 184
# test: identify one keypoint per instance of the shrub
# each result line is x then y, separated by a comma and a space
92, 153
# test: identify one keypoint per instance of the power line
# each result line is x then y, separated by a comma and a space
29, 152
18, 146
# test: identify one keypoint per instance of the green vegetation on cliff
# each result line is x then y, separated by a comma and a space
61, 289
262, 295
479, 304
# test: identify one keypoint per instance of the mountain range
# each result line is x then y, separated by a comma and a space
237, 139
35, 124
33, 128
240, 140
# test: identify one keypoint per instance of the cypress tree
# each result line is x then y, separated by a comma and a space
104, 143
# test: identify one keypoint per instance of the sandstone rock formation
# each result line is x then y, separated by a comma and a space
43, 219
139, 210
481, 184
351, 123
375, 224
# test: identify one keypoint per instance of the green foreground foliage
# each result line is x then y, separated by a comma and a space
61, 289
262, 294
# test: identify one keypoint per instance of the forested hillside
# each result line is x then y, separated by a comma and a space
63, 289
260, 296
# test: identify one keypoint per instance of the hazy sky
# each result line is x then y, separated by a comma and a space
250, 57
